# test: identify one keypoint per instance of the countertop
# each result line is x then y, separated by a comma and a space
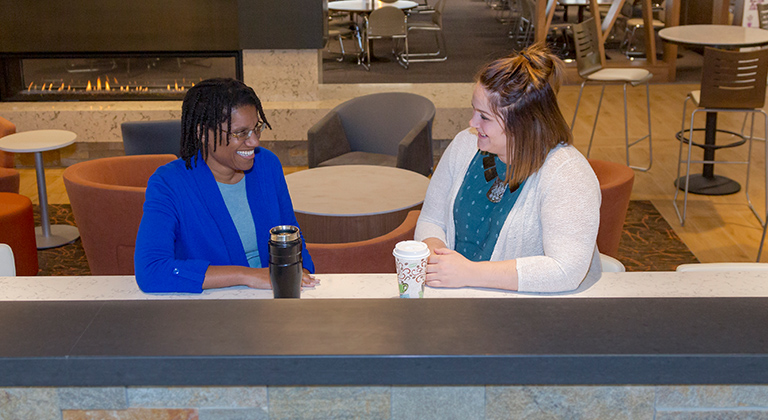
652, 284
628, 328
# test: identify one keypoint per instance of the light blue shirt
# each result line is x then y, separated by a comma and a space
237, 203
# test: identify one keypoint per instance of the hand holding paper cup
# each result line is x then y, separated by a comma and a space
411, 261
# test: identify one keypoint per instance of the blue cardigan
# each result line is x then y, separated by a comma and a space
186, 226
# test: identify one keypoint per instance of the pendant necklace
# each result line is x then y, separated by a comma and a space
499, 187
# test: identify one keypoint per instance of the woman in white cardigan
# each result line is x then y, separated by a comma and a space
512, 204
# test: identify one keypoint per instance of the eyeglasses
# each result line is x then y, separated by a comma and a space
242, 135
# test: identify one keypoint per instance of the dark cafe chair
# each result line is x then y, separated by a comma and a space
157, 137
387, 22
435, 25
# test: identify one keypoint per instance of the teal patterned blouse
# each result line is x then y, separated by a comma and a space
478, 220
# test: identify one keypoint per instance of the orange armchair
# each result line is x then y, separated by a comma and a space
9, 177
616, 182
107, 197
369, 256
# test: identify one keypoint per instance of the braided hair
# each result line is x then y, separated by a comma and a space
522, 92
207, 106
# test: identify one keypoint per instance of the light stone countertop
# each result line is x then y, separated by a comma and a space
367, 286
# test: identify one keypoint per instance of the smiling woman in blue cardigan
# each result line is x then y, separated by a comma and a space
207, 215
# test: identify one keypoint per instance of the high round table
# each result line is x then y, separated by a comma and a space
714, 36
364, 6
37, 142
349, 203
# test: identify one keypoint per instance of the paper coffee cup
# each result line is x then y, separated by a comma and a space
411, 261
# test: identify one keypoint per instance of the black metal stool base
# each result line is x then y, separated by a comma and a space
709, 183
718, 185
680, 137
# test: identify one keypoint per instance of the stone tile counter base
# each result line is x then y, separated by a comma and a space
397, 402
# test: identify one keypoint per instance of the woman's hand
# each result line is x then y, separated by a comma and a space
447, 268
308, 280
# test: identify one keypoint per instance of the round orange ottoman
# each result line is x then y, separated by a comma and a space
9, 180
17, 229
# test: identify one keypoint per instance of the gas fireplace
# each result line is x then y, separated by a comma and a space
106, 77
92, 50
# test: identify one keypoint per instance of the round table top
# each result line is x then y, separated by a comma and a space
582, 2
37, 141
355, 190
718, 36
365, 6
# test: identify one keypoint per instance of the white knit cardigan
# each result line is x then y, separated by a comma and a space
552, 228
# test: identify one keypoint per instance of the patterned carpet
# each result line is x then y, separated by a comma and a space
648, 244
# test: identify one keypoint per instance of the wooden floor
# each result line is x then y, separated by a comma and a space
717, 228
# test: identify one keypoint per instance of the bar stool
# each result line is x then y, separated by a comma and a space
590, 68
17, 229
731, 81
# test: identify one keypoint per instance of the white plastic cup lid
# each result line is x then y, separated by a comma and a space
411, 249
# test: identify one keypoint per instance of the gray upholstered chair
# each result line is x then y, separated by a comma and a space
388, 129
152, 137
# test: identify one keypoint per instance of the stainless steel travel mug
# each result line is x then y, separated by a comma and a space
285, 262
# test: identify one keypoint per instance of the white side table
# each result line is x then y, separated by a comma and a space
37, 142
